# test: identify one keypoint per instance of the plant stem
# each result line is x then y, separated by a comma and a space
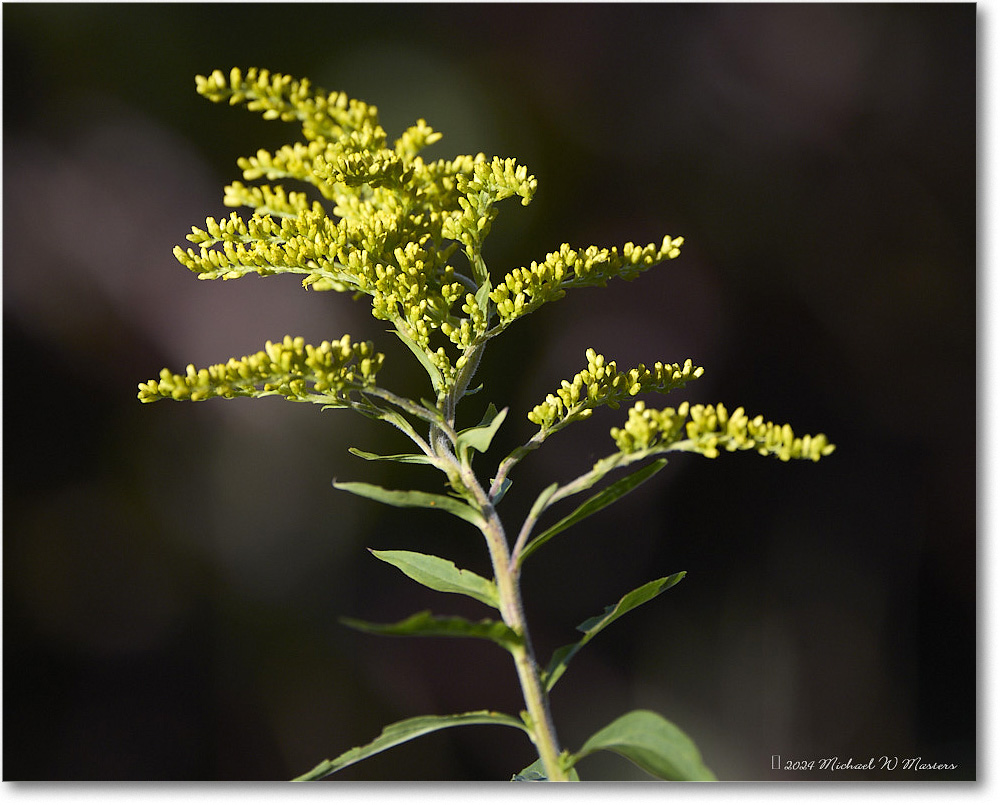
541, 727
536, 700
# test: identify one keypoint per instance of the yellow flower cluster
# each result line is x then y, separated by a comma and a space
415, 139
403, 284
706, 429
296, 370
602, 384
267, 200
524, 290
308, 243
488, 183
396, 222
389, 222
323, 114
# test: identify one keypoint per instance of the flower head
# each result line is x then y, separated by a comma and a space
298, 371
707, 429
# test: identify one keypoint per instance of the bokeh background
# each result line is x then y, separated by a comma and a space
173, 574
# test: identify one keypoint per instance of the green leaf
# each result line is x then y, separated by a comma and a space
542, 500
654, 744
394, 418
604, 498
402, 458
407, 730
488, 417
424, 624
442, 575
479, 437
437, 379
412, 499
592, 626
504, 486
432, 408
483, 296
535, 773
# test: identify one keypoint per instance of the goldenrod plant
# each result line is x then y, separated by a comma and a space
379, 221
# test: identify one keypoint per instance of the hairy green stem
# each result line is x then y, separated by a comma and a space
473, 355
443, 437
522, 539
511, 461
543, 731
532, 444
542, 728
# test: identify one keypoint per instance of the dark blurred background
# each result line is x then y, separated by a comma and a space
173, 574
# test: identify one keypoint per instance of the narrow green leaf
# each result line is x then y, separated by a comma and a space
432, 408
442, 575
379, 414
479, 437
402, 458
654, 744
424, 624
412, 499
542, 500
629, 601
601, 468
592, 626
483, 296
407, 730
437, 380
594, 504
504, 486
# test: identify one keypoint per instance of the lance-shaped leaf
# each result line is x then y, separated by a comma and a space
593, 504
483, 297
542, 501
402, 458
407, 730
380, 414
442, 575
424, 624
654, 744
592, 626
479, 437
505, 484
412, 499
437, 379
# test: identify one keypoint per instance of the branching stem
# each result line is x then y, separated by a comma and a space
542, 728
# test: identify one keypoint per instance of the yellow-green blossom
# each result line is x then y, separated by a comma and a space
322, 114
488, 183
707, 429
296, 370
524, 290
387, 222
393, 220
602, 384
